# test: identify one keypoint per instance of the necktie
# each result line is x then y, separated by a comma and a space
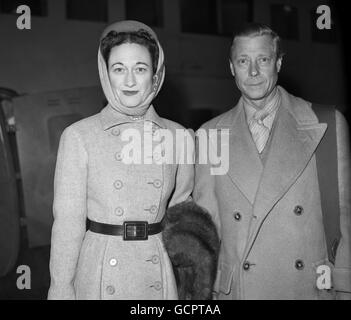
259, 132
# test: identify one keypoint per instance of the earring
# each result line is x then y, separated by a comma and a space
155, 83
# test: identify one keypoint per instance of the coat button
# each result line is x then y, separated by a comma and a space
118, 156
110, 290
298, 210
299, 265
157, 285
116, 131
157, 156
155, 259
119, 211
118, 184
153, 209
157, 183
237, 216
156, 134
246, 266
113, 262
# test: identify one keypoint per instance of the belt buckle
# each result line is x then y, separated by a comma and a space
135, 230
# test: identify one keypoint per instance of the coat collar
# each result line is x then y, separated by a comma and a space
295, 139
110, 117
296, 136
245, 167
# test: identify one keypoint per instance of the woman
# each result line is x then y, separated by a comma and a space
116, 258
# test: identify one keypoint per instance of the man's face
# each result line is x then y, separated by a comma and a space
255, 67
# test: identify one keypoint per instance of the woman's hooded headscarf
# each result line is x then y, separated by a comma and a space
112, 98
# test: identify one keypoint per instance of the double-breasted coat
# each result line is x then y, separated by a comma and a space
92, 181
268, 213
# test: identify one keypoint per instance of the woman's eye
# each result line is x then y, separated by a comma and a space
140, 70
118, 70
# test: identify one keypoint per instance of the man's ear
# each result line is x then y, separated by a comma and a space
279, 63
231, 67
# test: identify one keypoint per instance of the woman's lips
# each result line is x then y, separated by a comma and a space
254, 84
129, 93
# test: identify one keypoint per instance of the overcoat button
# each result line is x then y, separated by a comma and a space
119, 211
299, 265
110, 290
113, 262
155, 259
116, 131
237, 216
157, 183
298, 210
153, 209
118, 156
157, 285
246, 266
118, 184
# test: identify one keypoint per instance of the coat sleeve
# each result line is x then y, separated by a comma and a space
69, 210
204, 193
184, 181
342, 270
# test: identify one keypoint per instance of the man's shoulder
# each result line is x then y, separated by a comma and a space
299, 108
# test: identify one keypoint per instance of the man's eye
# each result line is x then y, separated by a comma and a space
242, 62
264, 60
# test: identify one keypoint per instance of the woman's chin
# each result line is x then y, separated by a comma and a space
131, 103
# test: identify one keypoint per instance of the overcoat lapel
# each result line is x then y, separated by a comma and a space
245, 166
293, 144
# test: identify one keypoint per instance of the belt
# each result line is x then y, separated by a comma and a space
130, 230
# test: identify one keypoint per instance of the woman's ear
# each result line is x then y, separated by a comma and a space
155, 82
155, 78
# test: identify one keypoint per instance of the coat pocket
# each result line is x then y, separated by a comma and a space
225, 277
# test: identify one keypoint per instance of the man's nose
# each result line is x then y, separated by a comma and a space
253, 69
130, 79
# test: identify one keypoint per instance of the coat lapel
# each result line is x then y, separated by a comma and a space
245, 166
295, 139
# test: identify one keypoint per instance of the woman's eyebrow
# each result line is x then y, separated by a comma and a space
144, 63
117, 63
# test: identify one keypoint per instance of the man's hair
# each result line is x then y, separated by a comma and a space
141, 37
256, 30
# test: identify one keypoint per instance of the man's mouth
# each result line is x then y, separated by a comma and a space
129, 92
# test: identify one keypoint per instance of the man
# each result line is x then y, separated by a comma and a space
267, 207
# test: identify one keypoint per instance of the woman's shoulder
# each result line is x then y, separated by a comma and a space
85, 125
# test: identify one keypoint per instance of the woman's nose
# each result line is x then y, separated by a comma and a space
129, 79
253, 70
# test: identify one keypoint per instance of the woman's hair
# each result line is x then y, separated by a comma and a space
141, 37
